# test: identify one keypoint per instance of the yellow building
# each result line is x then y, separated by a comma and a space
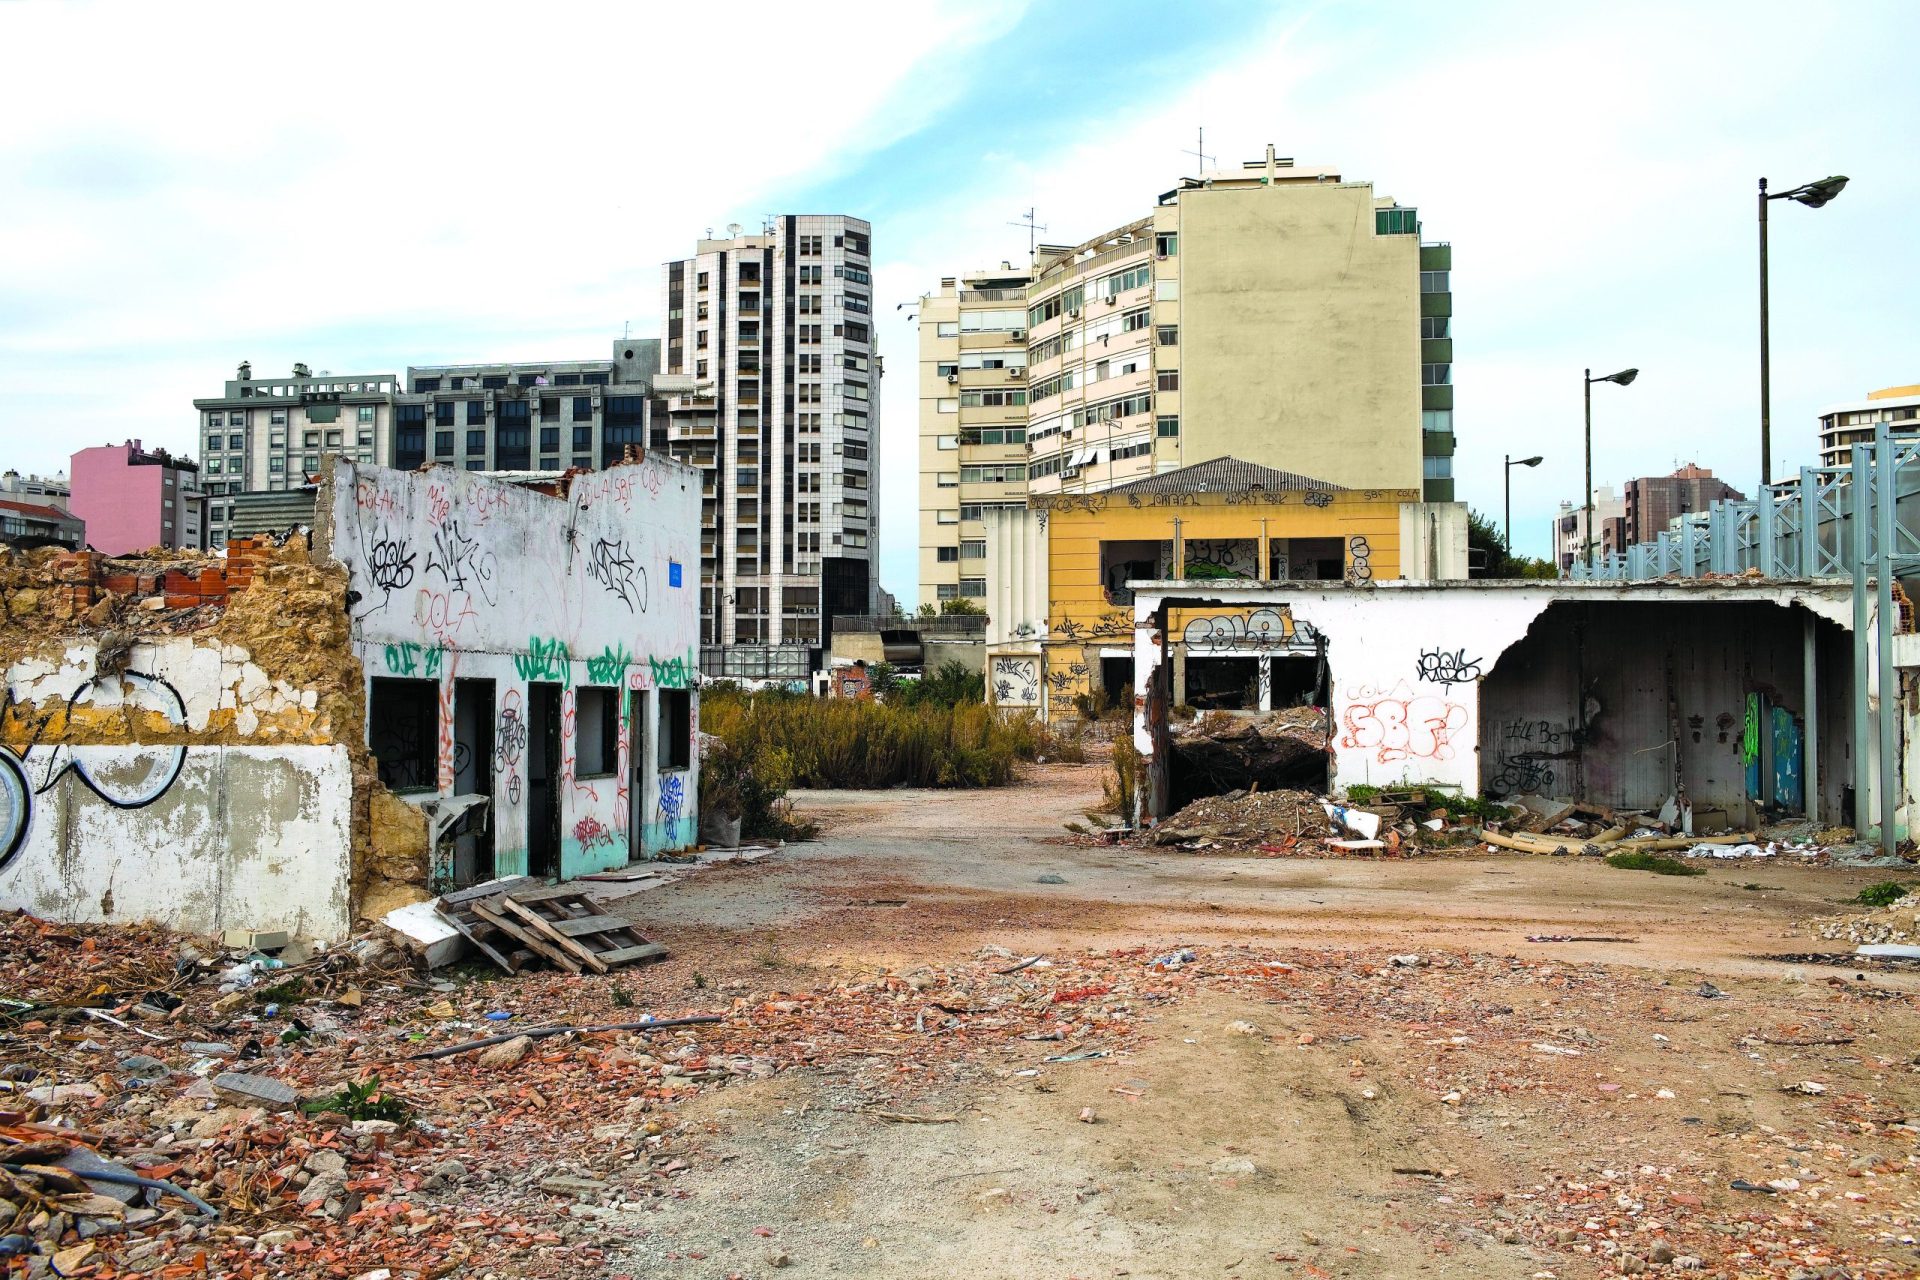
1272, 312
1224, 519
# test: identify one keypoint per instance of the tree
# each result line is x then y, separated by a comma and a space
1487, 555
957, 606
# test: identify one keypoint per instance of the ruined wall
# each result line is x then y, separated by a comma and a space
487, 593
1408, 663
180, 741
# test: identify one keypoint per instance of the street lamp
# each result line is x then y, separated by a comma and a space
1513, 462
1813, 195
1624, 378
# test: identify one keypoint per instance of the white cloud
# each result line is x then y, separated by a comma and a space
392, 183
1594, 171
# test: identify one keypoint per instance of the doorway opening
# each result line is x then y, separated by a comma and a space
543, 779
473, 729
636, 726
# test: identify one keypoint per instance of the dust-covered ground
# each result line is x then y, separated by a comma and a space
1365, 1069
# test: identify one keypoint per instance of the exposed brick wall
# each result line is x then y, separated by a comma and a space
83, 577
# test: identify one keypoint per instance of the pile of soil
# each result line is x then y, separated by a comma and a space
1247, 818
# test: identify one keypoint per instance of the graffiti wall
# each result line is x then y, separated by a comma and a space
490, 590
176, 781
1014, 680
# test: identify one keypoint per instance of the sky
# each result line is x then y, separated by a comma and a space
367, 186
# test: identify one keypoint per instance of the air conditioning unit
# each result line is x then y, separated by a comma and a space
1112, 300
1018, 334
953, 377
1016, 373
1070, 473
1073, 313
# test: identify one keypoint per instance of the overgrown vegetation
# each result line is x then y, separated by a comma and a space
1129, 778
1489, 558
1638, 860
1884, 894
748, 777
785, 740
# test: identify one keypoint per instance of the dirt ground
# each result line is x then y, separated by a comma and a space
1367, 1069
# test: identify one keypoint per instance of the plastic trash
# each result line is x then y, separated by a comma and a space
1173, 959
498, 1015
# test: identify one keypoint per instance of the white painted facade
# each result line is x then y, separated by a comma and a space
1398, 716
201, 836
524, 617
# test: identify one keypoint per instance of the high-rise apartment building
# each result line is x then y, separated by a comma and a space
1272, 313
133, 498
270, 433
771, 382
545, 415
1654, 502
1844, 425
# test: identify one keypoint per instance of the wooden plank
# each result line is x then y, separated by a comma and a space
459, 921
580, 926
493, 913
550, 893
460, 897
536, 921
628, 955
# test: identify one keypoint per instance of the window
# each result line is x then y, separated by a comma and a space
549, 439
973, 549
994, 473
1168, 335
493, 381
1435, 282
676, 729
1396, 222
443, 443
364, 414
582, 438
1436, 420
946, 517
947, 404
213, 466
1134, 320
946, 555
946, 329
425, 384
476, 442
276, 464
700, 340
1168, 425
973, 588
213, 442
476, 411
366, 438
1436, 375
403, 732
1166, 243
993, 397
333, 439
947, 442
1437, 468
1120, 282
988, 435
276, 417
701, 311
312, 464
1168, 380
215, 420
1166, 291
947, 480
1131, 449
311, 439
987, 321
1436, 326
597, 730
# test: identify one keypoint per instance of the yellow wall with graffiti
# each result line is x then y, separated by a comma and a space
1085, 616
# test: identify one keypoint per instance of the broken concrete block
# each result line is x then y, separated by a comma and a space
505, 1054
427, 933
256, 939
256, 1091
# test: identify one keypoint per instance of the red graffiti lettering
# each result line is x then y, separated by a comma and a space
1404, 728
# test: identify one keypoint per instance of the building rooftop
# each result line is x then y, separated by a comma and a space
1225, 475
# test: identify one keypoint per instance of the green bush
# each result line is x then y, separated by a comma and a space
855, 743
1884, 894
1637, 860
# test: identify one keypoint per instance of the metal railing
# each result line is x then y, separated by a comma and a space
1858, 522
946, 624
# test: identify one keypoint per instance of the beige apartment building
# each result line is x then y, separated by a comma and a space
1273, 313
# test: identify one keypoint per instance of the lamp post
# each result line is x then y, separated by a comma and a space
1813, 195
1512, 462
1624, 378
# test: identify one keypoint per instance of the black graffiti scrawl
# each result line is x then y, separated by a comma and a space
610, 564
23, 776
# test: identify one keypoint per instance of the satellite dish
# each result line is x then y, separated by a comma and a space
733, 231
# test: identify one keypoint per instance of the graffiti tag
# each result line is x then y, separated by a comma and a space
673, 794
544, 660
611, 565
1393, 729
1447, 669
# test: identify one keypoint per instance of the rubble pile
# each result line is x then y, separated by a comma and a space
1217, 752
341, 1113
1898, 922
1284, 823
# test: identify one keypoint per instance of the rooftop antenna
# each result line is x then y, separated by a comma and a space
1033, 228
1199, 151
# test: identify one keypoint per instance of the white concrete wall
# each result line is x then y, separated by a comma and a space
460, 577
201, 837
1406, 660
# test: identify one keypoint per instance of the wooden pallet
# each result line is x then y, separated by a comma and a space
564, 925
492, 941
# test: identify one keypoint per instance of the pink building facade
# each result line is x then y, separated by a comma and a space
133, 498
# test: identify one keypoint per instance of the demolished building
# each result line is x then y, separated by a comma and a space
453, 677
